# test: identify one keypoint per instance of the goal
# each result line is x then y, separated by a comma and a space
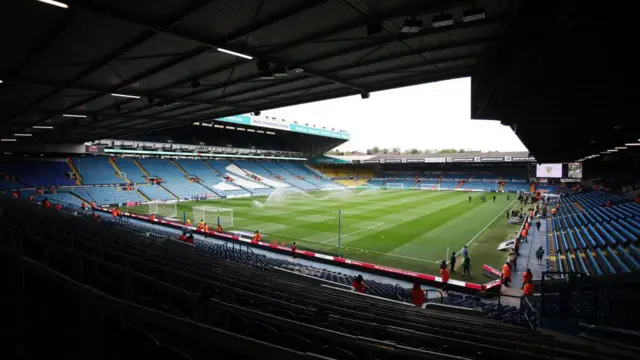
394, 186
427, 186
213, 215
165, 209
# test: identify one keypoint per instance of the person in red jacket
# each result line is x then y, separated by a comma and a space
256, 237
58, 206
294, 247
527, 277
505, 275
358, 284
527, 289
16, 195
153, 217
83, 206
417, 295
219, 228
444, 274
183, 237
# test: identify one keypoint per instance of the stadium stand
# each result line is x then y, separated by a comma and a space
130, 170
30, 173
96, 170
276, 169
108, 195
593, 239
308, 175
173, 179
240, 183
9, 184
156, 192
256, 169
170, 300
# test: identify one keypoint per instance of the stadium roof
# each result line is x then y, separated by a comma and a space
560, 77
122, 67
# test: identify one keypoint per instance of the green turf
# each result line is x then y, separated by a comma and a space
407, 229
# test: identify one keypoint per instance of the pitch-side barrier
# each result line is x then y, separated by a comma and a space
406, 275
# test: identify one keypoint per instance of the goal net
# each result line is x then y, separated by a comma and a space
394, 186
213, 216
165, 209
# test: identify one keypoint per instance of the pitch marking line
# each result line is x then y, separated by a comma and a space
501, 213
355, 232
353, 248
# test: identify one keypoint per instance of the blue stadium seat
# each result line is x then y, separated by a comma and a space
619, 264
603, 259
628, 258
594, 263
609, 239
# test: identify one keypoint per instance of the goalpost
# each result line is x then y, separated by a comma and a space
394, 186
166, 209
213, 216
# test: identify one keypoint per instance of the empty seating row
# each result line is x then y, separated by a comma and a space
258, 304
96, 170
34, 173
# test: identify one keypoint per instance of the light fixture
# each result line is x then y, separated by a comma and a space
473, 15
411, 26
8, 140
612, 150
125, 96
1, 81
632, 144
256, 113
55, 3
74, 115
442, 20
364, 95
604, 152
22, 134
235, 53
42, 127
620, 147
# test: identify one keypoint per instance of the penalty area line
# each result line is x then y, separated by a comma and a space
501, 213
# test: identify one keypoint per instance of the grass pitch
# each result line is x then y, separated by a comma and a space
407, 229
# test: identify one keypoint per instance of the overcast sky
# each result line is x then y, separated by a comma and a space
431, 116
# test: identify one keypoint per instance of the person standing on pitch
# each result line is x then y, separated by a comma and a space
538, 224
466, 265
453, 262
465, 251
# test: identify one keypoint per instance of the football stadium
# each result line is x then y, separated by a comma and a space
152, 206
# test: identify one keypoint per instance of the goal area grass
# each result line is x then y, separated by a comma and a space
408, 229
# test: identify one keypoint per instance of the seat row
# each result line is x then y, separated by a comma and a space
204, 292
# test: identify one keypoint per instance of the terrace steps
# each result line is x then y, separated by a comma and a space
144, 171
75, 171
214, 169
169, 191
117, 169
179, 167
80, 197
143, 195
